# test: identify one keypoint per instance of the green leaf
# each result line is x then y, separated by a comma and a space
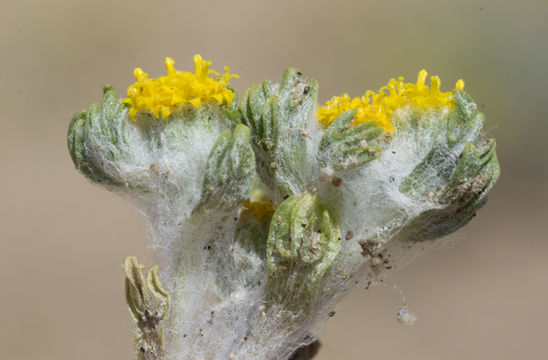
457, 174
229, 171
345, 147
303, 241
96, 139
149, 307
277, 115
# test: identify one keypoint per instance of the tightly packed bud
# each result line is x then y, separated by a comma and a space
302, 243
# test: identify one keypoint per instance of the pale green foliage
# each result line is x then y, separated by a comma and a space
346, 147
278, 116
302, 243
341, 207
229, 171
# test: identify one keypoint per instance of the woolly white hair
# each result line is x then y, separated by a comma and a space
215, 312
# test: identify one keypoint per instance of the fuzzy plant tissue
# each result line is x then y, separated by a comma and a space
264, 209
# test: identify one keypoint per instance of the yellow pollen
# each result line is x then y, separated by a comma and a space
380, 107
164, 94
262, 209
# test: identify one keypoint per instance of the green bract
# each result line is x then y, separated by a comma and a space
278, 115
457, 173
346, 147
229, 171
96, 138
302, 243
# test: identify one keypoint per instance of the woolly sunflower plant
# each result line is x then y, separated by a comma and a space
263, 212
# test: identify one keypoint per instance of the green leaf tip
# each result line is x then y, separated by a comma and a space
345, 147
149, 306
457, 173
93, 135
277, 115
303, 240
230, 170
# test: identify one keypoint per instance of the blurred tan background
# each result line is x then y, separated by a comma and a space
62, 240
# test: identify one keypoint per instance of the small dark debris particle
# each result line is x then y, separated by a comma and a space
235, 218
306, 90
299, 73
307, 352
349, 235
388, 267
184, 335
391, 179
337, 181
207, 247
245, 338
369, 247
385, 261
209, 322
285, 197
393, 152
142, 349
375, 261
331, 314
212, 312
259, 283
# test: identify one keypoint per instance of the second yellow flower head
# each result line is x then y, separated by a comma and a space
379, 107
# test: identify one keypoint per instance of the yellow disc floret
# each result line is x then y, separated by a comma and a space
261, 209
163, 95
380, 107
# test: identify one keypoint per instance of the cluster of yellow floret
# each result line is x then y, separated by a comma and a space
379, 107
260, 208
163, 95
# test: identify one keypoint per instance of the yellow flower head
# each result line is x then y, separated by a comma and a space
163, 95
379, 107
